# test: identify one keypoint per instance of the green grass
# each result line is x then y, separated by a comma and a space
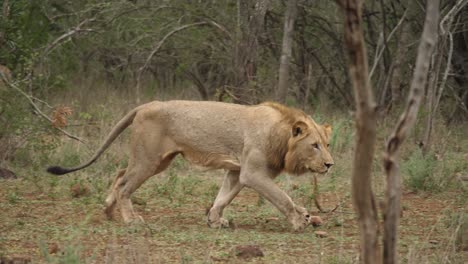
39, 210
433, 172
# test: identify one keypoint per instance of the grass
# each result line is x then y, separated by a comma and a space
38, 211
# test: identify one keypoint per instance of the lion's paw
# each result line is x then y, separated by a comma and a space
302, 219
220, 223
134, 220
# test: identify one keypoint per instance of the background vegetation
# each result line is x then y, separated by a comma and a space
78, 66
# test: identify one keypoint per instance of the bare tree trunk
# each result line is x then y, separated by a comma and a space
405, 39
283, 83
249, 27
430, 96
397, 66
366, 118
407, 120
306, 85
436, 89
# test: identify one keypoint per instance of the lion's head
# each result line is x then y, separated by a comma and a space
298, 144
308, 148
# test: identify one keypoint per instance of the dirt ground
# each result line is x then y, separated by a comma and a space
41, 221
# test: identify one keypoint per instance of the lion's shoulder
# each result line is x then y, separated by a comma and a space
289, 114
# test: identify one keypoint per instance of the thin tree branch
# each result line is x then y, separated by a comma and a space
36, 108
446, 72
332, 79
381, 51
448, 21
70, 33
406, 122
156, 49
434, 92
221, 28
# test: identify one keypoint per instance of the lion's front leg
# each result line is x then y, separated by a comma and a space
259, 178
230, 188
297, 216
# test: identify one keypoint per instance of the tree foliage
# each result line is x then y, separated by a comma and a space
223, 50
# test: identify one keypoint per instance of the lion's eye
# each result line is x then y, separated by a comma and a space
315, 145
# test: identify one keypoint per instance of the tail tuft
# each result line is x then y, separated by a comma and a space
57, 170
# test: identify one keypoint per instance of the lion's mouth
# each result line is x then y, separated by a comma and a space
317, 171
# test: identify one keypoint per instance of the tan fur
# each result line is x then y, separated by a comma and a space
253, 143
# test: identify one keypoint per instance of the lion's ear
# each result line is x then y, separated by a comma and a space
328, 130
298, 128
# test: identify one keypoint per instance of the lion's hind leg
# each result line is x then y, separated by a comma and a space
230, 188
134, 177
111, 199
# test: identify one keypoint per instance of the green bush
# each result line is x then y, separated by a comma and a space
418, 171
432, 172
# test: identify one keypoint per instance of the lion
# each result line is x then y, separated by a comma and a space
254, 144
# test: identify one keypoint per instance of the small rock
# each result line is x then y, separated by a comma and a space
53, 248
79, 190
321, 234
315, 221
7, 174
434, 242
248, 251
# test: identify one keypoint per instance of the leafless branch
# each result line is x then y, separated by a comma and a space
36, 108
406, 122
381, 51
434, 92
446, 72
222, 28
448, 18
332, 80
70, 33
445, 29
156, 49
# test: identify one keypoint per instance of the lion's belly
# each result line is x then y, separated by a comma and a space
206, 148
212, 160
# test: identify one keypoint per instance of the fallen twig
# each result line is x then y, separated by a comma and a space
316, 202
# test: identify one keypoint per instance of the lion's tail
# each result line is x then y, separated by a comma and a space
116, 131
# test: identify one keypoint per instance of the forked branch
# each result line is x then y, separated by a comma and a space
406, 122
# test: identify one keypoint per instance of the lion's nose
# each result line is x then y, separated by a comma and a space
328, 165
